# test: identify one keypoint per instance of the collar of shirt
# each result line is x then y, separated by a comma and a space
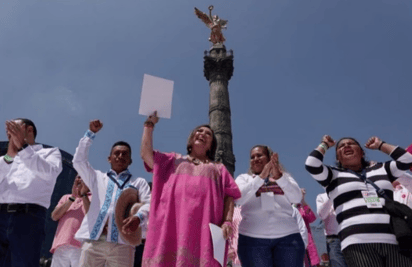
37, 147
121, 176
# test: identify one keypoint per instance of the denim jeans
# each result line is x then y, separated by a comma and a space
21, 238
336, 257
286, 251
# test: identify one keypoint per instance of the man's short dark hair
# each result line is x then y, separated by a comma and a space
121, 143
28, 123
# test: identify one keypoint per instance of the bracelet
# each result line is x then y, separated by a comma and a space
229, 223
149, 124
8, 159
323, 146
326, 144
383, 142
72, 199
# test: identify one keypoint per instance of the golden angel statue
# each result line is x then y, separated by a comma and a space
214, 23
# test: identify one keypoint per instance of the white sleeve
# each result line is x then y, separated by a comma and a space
144, 197
81, 162
4, 168
323, 206
302, 226
47, 167
290, 187
248, 186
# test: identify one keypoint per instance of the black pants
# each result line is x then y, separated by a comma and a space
138, 255
376, 255
21, 238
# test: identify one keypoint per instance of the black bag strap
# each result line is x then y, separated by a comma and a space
363, 177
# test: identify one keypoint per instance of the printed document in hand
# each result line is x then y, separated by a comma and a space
156, 95
219, 243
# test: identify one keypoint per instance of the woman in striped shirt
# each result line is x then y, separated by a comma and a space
364, 229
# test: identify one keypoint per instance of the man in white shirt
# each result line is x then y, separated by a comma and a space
28, 173
102, 243
328, 216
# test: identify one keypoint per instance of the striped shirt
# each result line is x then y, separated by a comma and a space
357, 223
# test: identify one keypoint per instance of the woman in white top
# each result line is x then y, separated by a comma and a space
268, 233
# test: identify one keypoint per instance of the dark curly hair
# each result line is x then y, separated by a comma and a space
364, 162
211, 152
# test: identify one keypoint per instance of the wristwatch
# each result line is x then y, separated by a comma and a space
8, 159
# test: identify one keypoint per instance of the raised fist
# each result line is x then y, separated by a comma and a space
373, 142
328, 140
95, 126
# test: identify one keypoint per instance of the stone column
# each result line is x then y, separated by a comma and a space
218, 69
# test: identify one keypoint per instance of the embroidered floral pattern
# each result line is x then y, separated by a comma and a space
103, 211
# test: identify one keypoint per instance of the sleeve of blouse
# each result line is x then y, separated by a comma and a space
406, 180
160, 160
230, 187
323, 206
248, 187
308, 214
290, 187
320, 172
401, 163
63, 199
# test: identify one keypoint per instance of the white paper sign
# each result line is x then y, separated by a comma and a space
219, 243
156, 95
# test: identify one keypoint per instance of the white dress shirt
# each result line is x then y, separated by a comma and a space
104, 192
31, 177
327, 214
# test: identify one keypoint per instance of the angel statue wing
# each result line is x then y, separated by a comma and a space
223, 23
205, 18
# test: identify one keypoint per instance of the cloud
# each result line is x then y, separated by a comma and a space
59, 98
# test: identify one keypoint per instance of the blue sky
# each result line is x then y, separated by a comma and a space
302, 69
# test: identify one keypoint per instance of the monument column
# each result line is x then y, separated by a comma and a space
218, 69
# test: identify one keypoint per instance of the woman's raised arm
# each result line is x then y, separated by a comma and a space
146, 148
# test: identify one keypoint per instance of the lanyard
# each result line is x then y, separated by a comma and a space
363, 177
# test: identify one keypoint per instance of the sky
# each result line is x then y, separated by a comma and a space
302, 69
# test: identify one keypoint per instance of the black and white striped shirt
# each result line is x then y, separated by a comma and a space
357, 223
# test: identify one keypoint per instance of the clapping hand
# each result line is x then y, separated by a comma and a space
16, 132
276, 171
76, 187
95, 126
272, 169
373, 142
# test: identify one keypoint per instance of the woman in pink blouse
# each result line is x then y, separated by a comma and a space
311, 257
189, 192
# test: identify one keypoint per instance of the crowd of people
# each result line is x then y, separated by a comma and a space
263, 214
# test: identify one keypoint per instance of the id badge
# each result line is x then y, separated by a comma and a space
268, 201
371, 199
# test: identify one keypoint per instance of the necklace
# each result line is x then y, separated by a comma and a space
197, 161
